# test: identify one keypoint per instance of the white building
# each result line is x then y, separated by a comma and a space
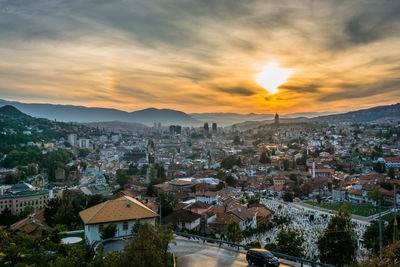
84, 143
208, 197
124, 212
73, 139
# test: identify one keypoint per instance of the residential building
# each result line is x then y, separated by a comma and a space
124, 212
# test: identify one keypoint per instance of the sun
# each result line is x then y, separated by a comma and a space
272, 76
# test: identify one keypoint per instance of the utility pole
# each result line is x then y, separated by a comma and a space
160, 212
380, 228
395, 225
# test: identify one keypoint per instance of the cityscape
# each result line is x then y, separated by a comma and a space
179, 133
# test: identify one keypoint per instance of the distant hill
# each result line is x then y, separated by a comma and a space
243, 126
117, 126
12, 112
225, 119
167, 117
19, 128
370, 115
86, 114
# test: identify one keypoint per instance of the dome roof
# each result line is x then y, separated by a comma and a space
21, 187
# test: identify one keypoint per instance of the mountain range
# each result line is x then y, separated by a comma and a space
377, 114
168, 116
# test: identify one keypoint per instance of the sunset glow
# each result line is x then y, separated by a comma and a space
272, 76
276, 56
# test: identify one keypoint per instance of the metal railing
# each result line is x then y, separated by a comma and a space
102, 241
302, 261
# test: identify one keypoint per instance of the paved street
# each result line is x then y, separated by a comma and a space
196, 254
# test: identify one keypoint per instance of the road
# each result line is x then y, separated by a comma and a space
196, 254
191, 253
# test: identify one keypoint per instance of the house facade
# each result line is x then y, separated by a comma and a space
124, 212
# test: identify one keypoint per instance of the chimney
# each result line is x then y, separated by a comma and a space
128, 203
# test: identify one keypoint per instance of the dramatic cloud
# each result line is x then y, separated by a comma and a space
201, 56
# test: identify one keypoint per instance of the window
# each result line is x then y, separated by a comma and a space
101, 227
125, 226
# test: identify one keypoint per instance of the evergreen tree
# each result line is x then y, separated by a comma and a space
337, 244
234, 233
286, 164
109, 231
264, 159
391, 173
290, 242
287, 197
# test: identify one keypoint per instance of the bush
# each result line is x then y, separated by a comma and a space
271, 246
109, 231
254, 244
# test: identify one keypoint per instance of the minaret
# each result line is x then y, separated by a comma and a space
313, 169
148, 175
276, 118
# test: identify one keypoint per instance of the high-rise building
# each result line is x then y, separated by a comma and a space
206, 129
84, 143
214, 127
73, 139
172, 129
276, 118
178, 129
175, 129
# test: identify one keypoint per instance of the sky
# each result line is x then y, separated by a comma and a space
201, 56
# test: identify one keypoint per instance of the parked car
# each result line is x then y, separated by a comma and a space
261, 257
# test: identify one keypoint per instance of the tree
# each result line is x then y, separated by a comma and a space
391, 173
133, 170
122, 178
290, 242
151, 190
371, 237
338, 238
220, 186
377, 196
230, 180
307, 188
234, 234
93, 200
386, 185
167, 204
319, 199
12, 178
32, 170
109, 231
7, 218
65, 214
236, 140
287, 197
264, 159
51, 209
286, 164
149, 247
302, 160
390, 257
230, 161
83, 152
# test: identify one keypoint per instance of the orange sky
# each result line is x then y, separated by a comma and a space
201, 56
